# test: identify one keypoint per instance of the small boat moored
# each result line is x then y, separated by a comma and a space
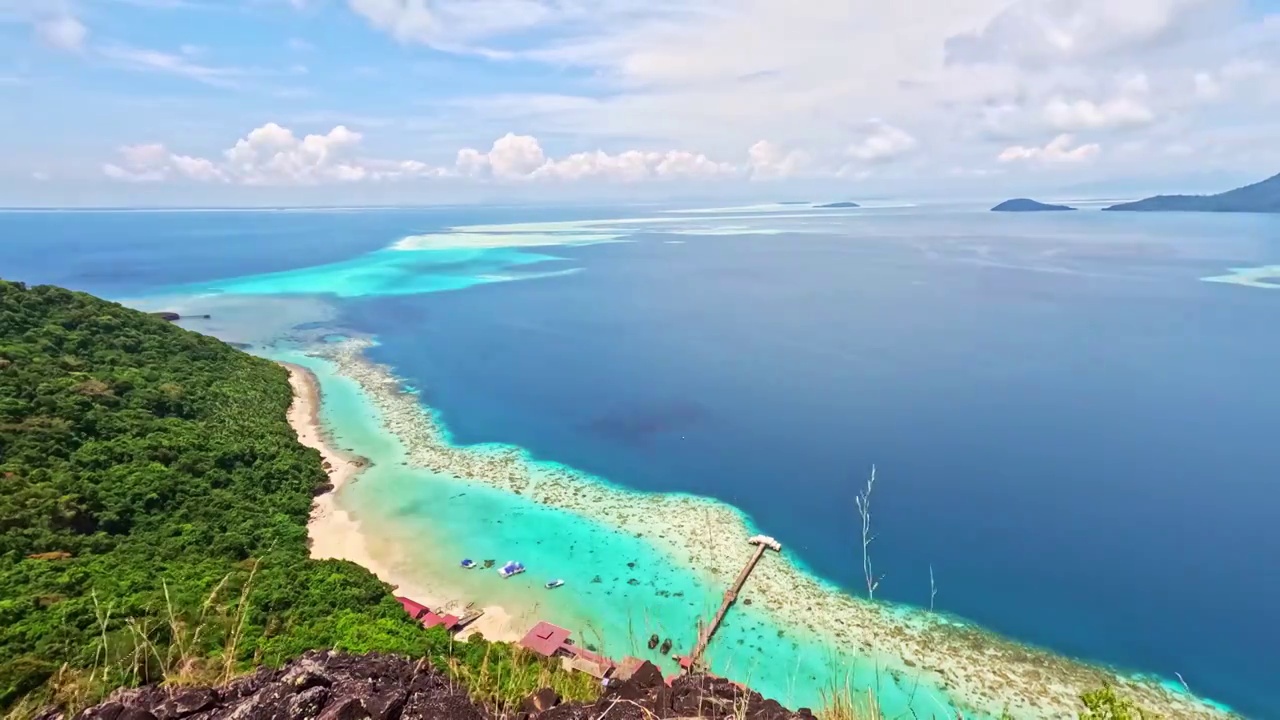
468, 564
511, 568
554, 584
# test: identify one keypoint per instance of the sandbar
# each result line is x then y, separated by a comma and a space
335, 532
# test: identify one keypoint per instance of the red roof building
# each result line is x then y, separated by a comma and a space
548, 640
448, 622
422, 613
415, 610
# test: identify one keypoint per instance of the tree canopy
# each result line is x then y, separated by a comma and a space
153, 506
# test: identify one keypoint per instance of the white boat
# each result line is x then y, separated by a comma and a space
554, 584
468, 564
511, 568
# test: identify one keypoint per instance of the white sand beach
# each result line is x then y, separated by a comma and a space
335, 533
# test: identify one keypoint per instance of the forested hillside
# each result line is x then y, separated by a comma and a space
153, 507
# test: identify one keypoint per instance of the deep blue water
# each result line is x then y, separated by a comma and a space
1072, 430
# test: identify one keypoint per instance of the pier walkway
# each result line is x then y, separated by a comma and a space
762, 543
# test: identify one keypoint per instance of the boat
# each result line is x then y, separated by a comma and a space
468, 564
653, 641
554, 584
511, 568
666, 646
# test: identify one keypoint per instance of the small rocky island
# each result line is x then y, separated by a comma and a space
1028, 205
1261, 197
174, 317
838, 205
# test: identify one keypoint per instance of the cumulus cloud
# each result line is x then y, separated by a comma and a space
274, 155
269, 155
521, 157
1061, 149
881, 143
768, 161
1072, 116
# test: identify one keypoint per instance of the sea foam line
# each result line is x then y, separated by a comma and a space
979, 670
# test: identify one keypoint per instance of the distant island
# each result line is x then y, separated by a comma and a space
1261, 197
1028, 205
174, 317
838, 205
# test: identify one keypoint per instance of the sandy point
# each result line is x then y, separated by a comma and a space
335, 533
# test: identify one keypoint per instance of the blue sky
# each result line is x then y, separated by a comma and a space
241, 102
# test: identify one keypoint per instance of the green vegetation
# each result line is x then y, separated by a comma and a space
153, 509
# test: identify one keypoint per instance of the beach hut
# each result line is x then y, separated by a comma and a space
416, 610
547, 640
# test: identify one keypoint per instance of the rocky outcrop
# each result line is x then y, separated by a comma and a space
335, 686
174, 317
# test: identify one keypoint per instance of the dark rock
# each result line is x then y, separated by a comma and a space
135, 713
269, 703
662, 703
105, 711
185, 702
249, 684
307, 673
647, 676
569, 712
307, 704
346, 708
540, 701
451, 706
386, 704
322, 685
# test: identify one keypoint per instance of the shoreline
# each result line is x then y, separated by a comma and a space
979, 670
333, 532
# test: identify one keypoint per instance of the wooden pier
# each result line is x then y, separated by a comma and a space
762, 544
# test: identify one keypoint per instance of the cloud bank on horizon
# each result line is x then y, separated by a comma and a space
464, 98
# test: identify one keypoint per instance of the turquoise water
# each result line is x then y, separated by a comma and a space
435, 519
619, 589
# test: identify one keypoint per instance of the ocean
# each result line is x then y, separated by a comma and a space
1073, 432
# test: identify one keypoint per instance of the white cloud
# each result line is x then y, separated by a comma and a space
883, 142
521, 157
1039, 32
269, 155
768, 161
62, 31
156, 61
1071, 116
451, 23
273, 155
515, 156
966, 78
1059, 150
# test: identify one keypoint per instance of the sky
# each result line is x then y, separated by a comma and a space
252, 102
